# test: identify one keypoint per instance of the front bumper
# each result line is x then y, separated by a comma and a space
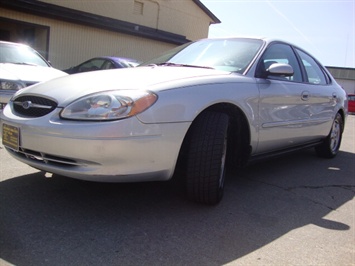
117, 151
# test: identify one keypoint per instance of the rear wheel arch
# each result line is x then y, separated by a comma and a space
343, 116
330, 146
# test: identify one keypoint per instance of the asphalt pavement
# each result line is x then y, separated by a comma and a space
295, 210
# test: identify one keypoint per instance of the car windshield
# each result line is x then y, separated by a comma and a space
232, 55
16, 54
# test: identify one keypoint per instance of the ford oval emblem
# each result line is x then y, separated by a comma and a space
26, 105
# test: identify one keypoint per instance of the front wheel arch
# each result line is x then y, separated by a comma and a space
206, 158
238, 143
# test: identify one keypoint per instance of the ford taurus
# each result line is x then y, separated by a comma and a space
202, 108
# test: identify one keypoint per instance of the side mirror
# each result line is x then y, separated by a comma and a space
278, 69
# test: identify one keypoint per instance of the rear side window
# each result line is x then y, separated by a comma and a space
315, 74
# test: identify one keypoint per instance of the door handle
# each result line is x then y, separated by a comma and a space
305, 95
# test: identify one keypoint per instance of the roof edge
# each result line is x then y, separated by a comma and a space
341, 68
207, 11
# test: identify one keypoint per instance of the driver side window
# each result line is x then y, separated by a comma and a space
279, 53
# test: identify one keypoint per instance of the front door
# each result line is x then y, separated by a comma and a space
285, 105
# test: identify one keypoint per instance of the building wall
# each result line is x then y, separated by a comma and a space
348, 85
182, 17
70, 43
345, 77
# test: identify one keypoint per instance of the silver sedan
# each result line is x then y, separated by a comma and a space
196, 111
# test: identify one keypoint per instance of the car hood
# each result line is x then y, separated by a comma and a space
28, 73
67, 89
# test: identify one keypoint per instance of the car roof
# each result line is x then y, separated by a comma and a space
264, 39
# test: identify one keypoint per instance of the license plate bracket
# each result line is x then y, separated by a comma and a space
11, 136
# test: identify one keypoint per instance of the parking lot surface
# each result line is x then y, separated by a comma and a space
295, 210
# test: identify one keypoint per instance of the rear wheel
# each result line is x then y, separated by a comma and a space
206, 158
330, 146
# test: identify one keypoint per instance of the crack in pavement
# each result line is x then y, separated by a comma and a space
350, 188
347, 187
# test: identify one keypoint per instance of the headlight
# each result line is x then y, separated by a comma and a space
110, 105
10, 85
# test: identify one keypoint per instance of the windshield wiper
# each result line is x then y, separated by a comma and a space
22, 63
180, 65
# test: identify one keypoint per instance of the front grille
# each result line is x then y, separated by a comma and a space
33, 106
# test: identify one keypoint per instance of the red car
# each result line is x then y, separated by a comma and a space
351, 103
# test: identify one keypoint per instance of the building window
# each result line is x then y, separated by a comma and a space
138, 8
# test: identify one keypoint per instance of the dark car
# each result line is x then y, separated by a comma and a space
102, 63
351, 103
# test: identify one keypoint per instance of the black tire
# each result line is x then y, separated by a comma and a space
206, 158
330, 146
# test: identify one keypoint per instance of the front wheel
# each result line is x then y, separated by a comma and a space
206, 158
331, 145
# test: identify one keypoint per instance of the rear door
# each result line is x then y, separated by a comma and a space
323, 95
